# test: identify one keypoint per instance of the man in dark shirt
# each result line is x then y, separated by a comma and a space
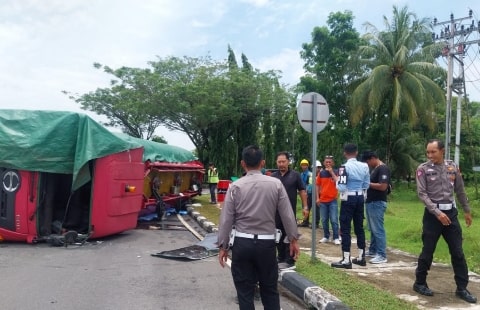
376, 205
292, 181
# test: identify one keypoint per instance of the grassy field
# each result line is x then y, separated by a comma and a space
403, 223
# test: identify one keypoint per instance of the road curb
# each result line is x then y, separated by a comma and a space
202, 220
311, 294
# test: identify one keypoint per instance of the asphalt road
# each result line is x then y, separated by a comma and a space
117, 273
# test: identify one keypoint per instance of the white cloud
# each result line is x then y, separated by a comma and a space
47, 46
288, 61
258, 3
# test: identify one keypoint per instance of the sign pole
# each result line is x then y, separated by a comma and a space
314, 173
313, 115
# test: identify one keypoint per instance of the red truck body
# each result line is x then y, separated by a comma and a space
42, 204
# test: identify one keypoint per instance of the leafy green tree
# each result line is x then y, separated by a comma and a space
199, 104
470, 133
129, 103
329, 72
408, 151
402, 80
219, 106
159, 139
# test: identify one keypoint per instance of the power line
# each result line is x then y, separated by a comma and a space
454, 35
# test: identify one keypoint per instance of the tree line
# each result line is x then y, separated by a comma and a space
385, 90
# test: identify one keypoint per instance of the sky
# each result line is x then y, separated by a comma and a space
49, 46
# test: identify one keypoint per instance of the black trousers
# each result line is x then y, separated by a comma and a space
352, 209
283, 249
255, 261
452, 234
317, 209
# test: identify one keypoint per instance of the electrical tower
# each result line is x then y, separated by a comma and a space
455, 37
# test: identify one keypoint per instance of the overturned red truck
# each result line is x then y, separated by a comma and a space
172, 175
65, 178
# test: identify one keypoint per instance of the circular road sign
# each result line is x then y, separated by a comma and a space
305, 111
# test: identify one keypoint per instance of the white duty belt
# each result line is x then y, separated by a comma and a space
445, 206
355, 193
253, 236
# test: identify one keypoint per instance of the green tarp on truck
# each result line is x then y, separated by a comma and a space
64, 142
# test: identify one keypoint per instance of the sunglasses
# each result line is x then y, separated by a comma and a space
328, 156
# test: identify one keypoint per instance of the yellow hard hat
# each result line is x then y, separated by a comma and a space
304, 162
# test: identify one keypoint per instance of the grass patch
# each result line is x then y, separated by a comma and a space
354, 292
210, 211
403, 224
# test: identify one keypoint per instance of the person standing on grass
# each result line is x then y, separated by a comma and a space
437, 180
327, 199
212, 180
376, 205
251, 206
307, 179
294, 186
353, 181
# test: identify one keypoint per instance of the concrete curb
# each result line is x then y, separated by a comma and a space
312, 295
202, 220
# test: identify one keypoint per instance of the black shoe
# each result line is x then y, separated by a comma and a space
341, 264
361, 262
465, 295
422, 289
303, 224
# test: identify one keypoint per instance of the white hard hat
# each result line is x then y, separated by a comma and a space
319, 164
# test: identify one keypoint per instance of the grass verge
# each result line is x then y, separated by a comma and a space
355, 293
403, 224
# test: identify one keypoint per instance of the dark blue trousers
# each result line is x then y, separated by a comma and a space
213, 192
352, 209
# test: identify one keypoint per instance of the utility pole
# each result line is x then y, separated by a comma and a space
454, 36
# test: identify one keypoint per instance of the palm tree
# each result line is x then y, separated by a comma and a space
402, 79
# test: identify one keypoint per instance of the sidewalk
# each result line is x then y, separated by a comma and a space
396, 276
